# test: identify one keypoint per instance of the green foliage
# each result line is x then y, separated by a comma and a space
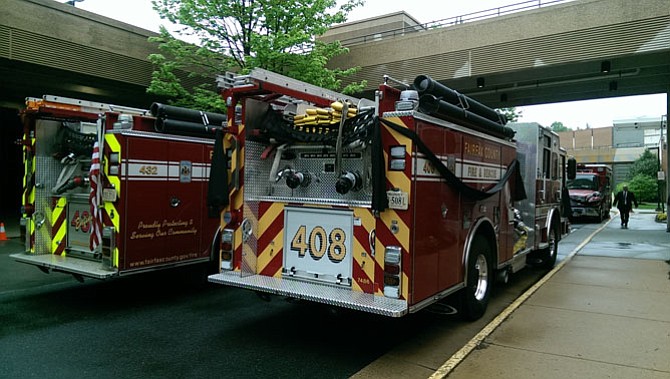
642, 177
558, 126
647, 165
644, 187
511, 113
238, 35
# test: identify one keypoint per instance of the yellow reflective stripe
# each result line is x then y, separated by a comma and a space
28, 193
30, 229
403, 237
270, 252
399, 137
114, 180
403, 230
399, 180
113, 143
270, 216
113, 215
61, 232
365, 262
114, 147
264, 224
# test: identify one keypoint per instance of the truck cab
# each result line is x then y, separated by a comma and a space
591, 192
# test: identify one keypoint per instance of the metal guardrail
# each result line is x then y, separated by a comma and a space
451, 21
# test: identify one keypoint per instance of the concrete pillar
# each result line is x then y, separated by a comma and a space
667, 158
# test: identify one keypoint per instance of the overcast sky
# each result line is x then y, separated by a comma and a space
595, 113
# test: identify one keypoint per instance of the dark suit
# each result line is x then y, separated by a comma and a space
624, 201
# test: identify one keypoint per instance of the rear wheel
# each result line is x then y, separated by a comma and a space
475, 296
548, 255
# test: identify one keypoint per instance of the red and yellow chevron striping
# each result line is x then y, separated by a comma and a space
393, 225
58, 226
270, 222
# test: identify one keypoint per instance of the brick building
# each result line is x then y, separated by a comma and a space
619, 145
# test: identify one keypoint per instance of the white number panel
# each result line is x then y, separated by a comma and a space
318, 244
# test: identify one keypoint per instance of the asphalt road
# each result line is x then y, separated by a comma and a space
176, 325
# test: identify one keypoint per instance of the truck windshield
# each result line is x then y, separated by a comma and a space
584, 182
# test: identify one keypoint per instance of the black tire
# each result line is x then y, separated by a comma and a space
479, 281
548, 255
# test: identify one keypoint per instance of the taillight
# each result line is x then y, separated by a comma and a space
227, 247
114, 164
397, 155
108, 245
27, 209
392, 271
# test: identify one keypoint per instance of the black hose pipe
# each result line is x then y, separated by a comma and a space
439, 108
184, 114
425, 85
186, 128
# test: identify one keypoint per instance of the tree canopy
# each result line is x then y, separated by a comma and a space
511, 113
642, 177
238, 35
558, 126
646, 164
644, 187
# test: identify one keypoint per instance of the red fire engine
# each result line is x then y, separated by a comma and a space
383, 206
591, 191
111, 190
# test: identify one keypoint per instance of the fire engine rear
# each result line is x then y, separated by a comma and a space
112, 190
386, 206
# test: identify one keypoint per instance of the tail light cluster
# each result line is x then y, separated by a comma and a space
114, 164
108, 244
392, 271
397, 158
227, 248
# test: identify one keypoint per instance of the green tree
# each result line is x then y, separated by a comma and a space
644, 187
646, 164
238, 35
558, 126
642, 177
511, 113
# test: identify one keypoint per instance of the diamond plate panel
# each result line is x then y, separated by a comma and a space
325, 294
250, 245
261, 184
47, 170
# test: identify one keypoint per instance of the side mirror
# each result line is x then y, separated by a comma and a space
572, 168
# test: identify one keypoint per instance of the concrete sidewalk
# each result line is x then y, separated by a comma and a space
604, 313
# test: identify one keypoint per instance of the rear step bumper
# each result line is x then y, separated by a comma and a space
331, 295
67, 265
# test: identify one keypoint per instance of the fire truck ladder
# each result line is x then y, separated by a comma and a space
52, 101
259, 75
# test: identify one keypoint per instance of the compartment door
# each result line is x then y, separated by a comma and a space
185, 201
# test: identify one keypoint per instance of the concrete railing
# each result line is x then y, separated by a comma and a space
451, 21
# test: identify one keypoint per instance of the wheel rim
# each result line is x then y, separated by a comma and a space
552, 245
482, 277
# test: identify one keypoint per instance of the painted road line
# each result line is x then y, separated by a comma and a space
461, 354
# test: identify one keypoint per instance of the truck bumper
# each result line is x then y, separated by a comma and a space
320, 293
585, 212
67, 265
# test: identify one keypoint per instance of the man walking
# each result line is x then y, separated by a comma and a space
624, 201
